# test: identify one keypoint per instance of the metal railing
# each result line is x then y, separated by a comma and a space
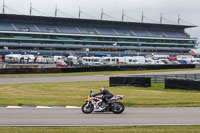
161, 78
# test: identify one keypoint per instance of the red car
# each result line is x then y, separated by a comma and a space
61, 64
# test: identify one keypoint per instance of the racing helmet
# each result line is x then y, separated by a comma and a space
102, 89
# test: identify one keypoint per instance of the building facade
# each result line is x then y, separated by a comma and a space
37, 33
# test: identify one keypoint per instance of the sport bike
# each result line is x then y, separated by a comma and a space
96, 104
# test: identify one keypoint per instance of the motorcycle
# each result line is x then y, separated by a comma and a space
96, 104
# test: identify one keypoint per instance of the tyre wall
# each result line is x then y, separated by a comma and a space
130, 81
182, 84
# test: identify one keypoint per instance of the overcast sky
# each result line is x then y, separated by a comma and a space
189, 10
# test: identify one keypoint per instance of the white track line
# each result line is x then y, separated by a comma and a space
13, 107
14, 125
40, 107
43, 107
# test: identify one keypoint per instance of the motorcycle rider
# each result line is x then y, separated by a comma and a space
106, 95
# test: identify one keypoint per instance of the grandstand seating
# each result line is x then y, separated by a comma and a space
172, 34
184, 35
6, 27
24, 27
68, 29
142, 33
47, 28
87, 30
156, 33
124, 32
106, 31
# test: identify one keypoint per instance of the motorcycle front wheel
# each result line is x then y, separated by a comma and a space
87, 108
118, 108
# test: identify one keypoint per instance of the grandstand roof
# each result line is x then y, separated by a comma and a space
85, 22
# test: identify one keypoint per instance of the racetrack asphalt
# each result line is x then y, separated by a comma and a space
46, 79
74, 117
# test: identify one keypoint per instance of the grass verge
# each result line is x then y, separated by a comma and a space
96, 73
74, 94
146, 129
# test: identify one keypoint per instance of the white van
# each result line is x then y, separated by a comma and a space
28, 58
55, 58
13, 58
132, 60
92, 61
149, 61
158, 62
113, 60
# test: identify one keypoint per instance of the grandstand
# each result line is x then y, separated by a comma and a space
38, 33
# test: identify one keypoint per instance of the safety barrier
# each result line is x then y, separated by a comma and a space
182, 84
130, 81
92, 69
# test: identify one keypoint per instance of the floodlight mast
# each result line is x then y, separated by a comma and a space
56, 10
3, 7
161, 18
30, 8
79, 13
142, 17
122, 15
102, 14
179, 18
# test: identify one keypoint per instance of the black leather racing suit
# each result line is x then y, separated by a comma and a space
106, 95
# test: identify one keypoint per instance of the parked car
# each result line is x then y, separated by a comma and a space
61, 63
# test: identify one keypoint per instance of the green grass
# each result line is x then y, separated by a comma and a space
74, 93
96, 73
146, 129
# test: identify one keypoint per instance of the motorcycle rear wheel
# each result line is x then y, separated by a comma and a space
118, 108
87, 108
